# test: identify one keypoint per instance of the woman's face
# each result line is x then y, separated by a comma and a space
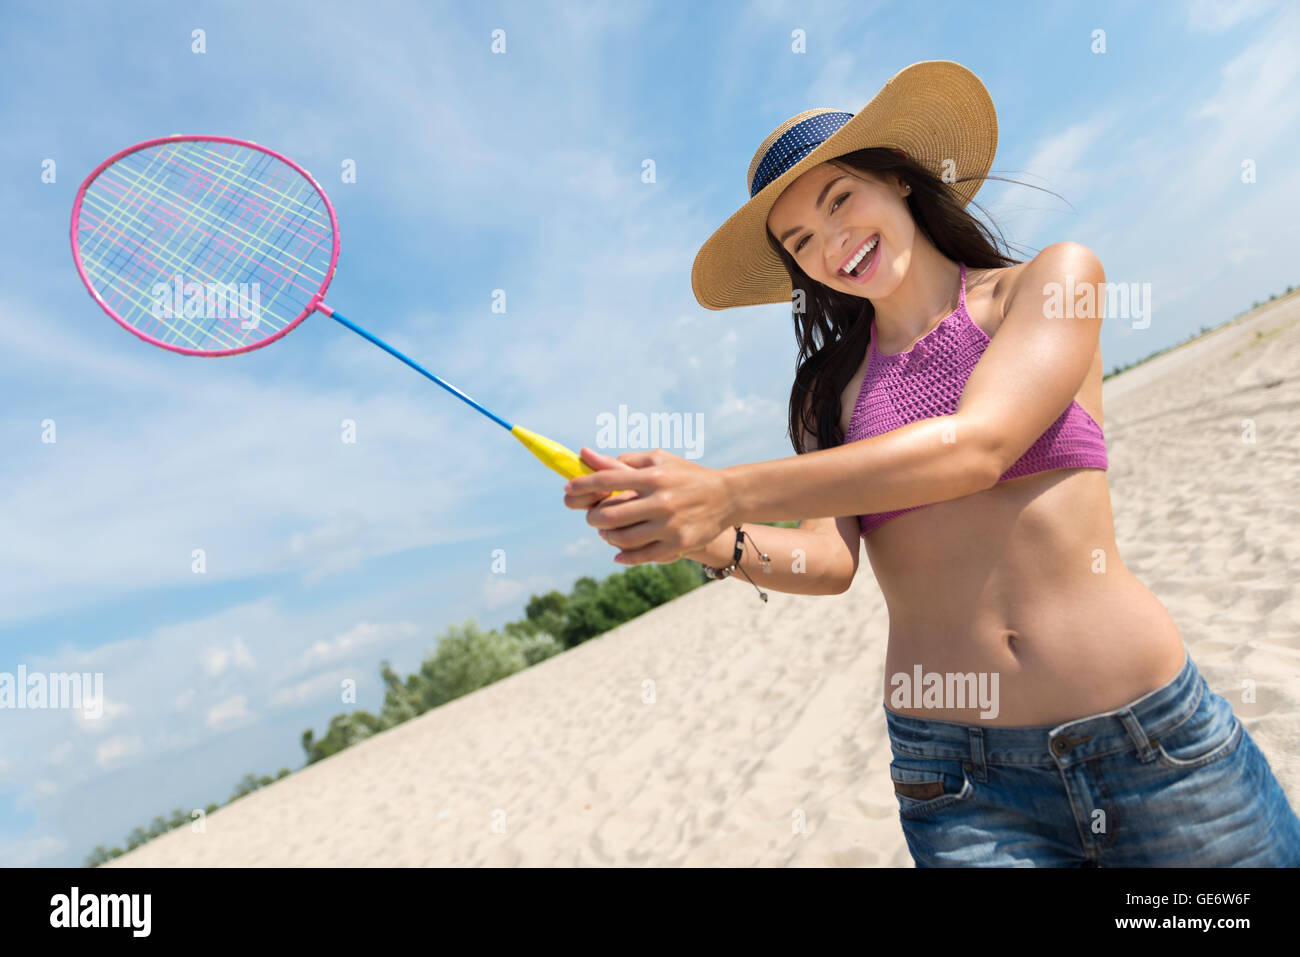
827, 216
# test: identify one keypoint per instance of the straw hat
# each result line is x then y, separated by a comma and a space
934, 111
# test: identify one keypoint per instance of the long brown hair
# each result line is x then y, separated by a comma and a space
833, 329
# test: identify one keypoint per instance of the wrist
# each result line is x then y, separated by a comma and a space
735, 482
717, 552
734, 565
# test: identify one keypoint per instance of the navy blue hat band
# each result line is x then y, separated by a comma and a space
793, 145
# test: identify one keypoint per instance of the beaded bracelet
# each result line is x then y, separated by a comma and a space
727, 570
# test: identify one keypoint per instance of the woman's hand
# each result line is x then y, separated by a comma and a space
599, 462
671, 505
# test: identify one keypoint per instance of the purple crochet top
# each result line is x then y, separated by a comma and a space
928, 380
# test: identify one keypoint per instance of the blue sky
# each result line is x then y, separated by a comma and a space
518, 171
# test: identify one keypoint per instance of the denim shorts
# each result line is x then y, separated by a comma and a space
1171, 780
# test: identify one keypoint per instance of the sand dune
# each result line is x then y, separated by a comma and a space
717, 730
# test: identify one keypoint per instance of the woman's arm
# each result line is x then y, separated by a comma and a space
820, 557
930, 460
1025, 379
674, 506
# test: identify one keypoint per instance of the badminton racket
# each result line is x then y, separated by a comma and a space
213, 246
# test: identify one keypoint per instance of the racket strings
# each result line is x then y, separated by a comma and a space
219, 247
171, 236
206, 252
202, 216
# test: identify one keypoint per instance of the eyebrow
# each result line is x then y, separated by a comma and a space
821, 198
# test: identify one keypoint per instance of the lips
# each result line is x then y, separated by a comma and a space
868, 264
857, 249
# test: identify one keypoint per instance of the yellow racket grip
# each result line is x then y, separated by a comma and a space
554, 455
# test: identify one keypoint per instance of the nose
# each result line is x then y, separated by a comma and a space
838, 253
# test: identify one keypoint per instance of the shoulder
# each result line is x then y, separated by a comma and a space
1065, 263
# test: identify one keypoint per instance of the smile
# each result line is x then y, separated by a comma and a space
856, 266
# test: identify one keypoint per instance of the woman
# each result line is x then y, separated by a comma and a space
1041, 707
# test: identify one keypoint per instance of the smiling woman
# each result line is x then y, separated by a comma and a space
947, 411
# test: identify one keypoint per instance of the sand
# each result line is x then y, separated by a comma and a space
717, 730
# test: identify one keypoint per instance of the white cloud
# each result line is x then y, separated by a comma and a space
111, 709
499, 591
1216, 16
216, 658
318, 686
116, 749
100, 658
1248, 111
1196, 188
232, 709
578, 546
30, 851
186, 680
1064, 162
177, 741
364, 635
838, 85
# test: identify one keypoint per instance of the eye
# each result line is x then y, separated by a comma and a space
834, 206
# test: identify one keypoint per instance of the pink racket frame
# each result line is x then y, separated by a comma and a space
317, 301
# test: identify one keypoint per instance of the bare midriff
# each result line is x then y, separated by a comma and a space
1022, 581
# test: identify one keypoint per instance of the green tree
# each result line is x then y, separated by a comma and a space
542, 614
540, 646
401, 701
625, 595
98, 856
247, 785
345, 730
466, 659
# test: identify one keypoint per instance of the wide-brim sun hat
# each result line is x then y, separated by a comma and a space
936, 111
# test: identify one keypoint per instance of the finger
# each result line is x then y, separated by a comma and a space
590, 501
612, 480
593, 460
621, 512
583, 501
660, 553
633, 536
599, 460
640, 460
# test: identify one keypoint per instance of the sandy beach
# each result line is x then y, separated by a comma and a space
717, 730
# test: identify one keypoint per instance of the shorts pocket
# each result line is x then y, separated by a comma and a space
927, 786
1211, 733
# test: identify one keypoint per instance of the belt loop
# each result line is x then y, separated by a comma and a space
1135, 732
976, 763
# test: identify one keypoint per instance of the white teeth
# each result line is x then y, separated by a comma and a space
852, 264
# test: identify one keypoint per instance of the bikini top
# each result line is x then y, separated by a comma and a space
927, 381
